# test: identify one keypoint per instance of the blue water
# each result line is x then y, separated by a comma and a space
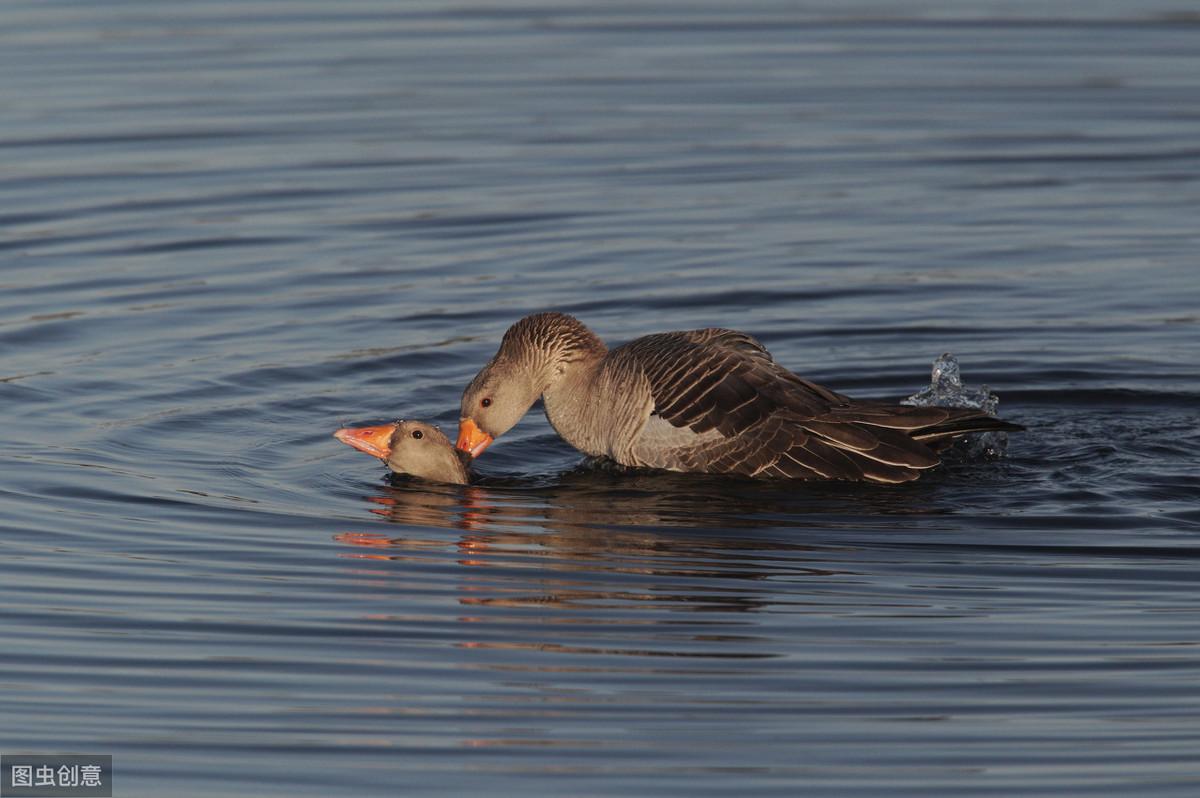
229, 229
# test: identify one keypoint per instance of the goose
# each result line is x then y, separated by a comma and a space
706, 401
411, 447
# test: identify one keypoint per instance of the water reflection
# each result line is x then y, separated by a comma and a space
627, 565
593, 521
589, 499
594, 571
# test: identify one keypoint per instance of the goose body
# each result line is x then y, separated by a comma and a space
411, 447
706, 401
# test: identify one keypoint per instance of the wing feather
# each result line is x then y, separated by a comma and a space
746, 414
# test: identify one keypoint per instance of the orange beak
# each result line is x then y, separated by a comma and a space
471, 438
375, 441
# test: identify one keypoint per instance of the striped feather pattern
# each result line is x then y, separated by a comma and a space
711, 400
773, 423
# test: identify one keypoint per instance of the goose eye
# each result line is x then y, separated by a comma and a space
418, 434
486, 402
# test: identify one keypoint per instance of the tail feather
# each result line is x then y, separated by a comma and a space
961, 425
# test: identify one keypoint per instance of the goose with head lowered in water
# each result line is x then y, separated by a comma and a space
411, 447
706, 401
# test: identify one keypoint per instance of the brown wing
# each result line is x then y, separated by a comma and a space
720, 379
772, 422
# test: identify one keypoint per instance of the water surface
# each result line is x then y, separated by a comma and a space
229, 229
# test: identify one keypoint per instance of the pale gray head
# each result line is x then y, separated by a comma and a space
422, 450
534, 353
411, 447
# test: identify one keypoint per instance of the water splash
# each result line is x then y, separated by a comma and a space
946, 389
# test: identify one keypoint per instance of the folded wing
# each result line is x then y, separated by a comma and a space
749, 415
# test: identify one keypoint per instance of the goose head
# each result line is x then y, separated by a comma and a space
410, 447
534, 356
499, 396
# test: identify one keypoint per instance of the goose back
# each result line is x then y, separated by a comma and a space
721, 404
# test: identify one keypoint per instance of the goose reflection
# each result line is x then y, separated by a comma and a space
594, 570
570, 542
608, 501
